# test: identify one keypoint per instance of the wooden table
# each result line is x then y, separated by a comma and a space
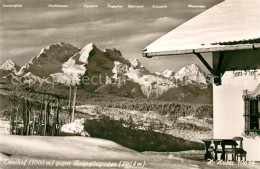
216, 142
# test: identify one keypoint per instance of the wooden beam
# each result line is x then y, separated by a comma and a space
220, 61
149, 54
205, 63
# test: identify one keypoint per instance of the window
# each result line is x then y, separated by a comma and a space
252, 111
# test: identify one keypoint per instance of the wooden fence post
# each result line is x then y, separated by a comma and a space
33, 122
16, 119
69, 105
28, 117
57, 116
74, 102
12, 124
45, 117
40, 118
24, 116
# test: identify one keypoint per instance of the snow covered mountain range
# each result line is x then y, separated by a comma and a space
104, 71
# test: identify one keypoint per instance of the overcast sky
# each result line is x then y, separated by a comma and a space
25, 31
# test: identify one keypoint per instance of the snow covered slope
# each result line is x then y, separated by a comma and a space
64, 148
79, 152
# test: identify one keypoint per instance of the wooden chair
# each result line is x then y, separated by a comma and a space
230, 150
218, 150
239, 151
211, 150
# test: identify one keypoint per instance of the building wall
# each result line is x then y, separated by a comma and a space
229, 109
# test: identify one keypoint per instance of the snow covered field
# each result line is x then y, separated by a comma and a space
4, 127
87, 152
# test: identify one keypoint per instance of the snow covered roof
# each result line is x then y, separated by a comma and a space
230, 25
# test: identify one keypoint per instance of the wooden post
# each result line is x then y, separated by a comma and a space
38, 130
58, 111
70, 108
28, 118
13, 116
57, 117
74, 102
33, 122
25, 116
48, 118
16, 118
53, 119
69, 105
45, 117
51, 111
10, 125
40, 119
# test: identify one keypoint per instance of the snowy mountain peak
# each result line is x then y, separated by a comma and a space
192, 73
135, 63
89, 60
85, 52
77, 63
49, 60
51, 48
168, 73
9, 65
188, 70
194, 66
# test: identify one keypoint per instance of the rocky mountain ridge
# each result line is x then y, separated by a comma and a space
107, 71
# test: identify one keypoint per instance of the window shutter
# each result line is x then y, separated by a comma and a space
254, 114
252, 110
247, 114
258, 113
